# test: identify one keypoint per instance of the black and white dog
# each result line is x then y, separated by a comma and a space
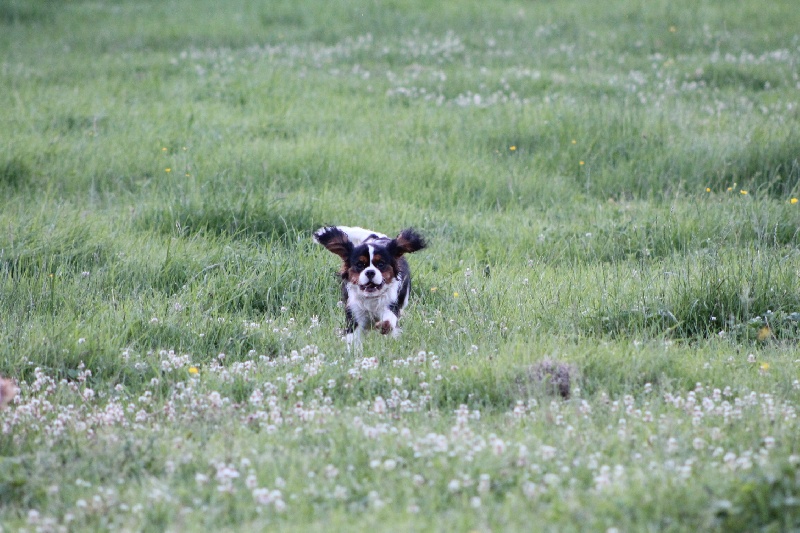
376, 280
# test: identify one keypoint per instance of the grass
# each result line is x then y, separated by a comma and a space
609, 190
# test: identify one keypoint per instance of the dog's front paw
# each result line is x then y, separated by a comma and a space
384, 326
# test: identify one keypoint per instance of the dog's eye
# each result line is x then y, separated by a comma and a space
380, 265
361, 265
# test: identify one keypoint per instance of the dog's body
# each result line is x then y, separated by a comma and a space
376, 279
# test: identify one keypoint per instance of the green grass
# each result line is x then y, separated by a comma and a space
605, 187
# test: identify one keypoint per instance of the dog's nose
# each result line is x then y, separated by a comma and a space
370, 274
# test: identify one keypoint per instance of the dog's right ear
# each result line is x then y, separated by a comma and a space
335, 240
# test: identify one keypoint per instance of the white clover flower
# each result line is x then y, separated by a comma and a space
33, 517
262, 496
672, 445
375, 499
547, 452
497, 444
331, 471
551, 479
529, 489
215, 399
379, 405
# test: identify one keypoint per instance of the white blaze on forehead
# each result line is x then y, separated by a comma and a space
362, 277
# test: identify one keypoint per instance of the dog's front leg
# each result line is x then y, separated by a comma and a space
353, 340
352, 330
388, 323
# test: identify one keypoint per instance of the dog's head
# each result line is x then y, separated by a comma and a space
374, 264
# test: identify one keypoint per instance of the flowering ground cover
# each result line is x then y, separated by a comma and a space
602, 333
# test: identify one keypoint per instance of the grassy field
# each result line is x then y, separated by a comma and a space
609, 191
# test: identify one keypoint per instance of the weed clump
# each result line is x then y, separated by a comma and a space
14, 173
549, 377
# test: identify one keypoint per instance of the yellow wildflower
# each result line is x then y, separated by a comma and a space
193, 370
793, 201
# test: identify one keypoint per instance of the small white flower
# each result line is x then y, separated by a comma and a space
672, 445
551, 479
331, 471
547, 452
262, 496
379, 405
529, 489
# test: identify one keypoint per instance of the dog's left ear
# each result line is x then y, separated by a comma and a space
407, 242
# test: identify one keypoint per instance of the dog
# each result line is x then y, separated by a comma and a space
376, 280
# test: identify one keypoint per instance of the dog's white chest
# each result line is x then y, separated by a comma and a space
371, 307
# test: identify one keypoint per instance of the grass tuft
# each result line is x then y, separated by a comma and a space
15, 173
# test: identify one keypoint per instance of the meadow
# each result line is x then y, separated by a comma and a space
603, 333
